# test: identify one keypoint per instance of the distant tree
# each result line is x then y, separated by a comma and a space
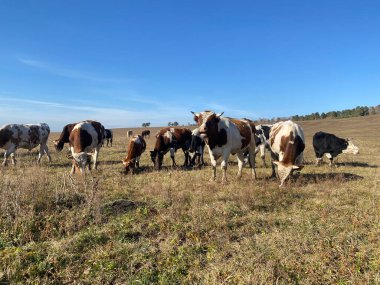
175, 124
144, 125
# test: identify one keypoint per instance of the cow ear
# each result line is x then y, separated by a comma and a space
220, 114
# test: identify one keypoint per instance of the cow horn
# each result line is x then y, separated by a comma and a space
218, 115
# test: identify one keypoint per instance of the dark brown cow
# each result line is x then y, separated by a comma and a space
136, 147
171, 138
224, 136
85, 137
145, 134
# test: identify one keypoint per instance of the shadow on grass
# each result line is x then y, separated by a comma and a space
307, 178
356, 164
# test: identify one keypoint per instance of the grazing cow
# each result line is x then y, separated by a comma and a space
287, 143
171, 138
84, 138
129, 133
224, 136
331, 145
197, 146
108, 136
136, 147
64, 136
14, 136
145, 134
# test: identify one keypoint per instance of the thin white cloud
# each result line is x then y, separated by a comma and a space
65, 72
17, 110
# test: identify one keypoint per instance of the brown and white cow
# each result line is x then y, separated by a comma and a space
136, 147
171, 139
14, 136
287, 143
65, 134
85, 137
225, 136
129, 133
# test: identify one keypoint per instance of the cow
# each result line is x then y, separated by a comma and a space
85, 137
287, 143
145, 134
262, 137
331, 146
64, 136
108, 136
136, 147
14, 136
129, 133
224, 136
196, 149
171, 139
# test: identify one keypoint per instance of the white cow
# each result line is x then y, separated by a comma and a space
14, 136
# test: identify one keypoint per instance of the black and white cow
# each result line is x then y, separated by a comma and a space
331, 146
197, 147
262, 143
108, 136
14, 136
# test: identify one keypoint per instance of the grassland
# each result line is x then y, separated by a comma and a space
176, 227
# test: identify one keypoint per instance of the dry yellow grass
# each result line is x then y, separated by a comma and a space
176, 227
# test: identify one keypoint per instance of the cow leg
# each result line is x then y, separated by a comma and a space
213, 164
172, 154
111, 142
187, 158
223, 166
262, 154
273, 157
9, 152
95, 158
252, 163
240, 159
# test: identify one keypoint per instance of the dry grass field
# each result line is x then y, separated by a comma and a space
176, 227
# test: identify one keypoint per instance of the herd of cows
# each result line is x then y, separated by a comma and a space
222, 136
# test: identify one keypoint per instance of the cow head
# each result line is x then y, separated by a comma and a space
58, 144
157, 158
129, 165
81, 159
208, 123
351, 148
284, 171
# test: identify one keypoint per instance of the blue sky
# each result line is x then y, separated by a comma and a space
128, 62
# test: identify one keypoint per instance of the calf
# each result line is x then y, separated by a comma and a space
197, 146
84, 138
171, 138
136, 147
224, 136
287, 143
331, 145
129, 133
145, 134
14, 136
108, 136
63, 137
